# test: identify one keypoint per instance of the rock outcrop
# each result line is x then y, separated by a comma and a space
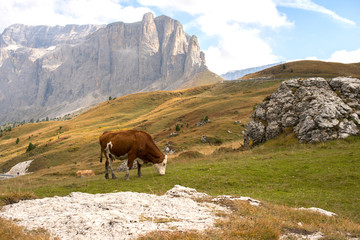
315, 109
52, 71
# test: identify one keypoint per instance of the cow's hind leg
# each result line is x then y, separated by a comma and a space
111, 168
107, 168
131, 158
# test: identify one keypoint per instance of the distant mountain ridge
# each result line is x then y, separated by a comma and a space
236, 74
45, 36
51, 71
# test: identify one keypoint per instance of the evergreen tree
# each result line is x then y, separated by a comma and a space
30, 147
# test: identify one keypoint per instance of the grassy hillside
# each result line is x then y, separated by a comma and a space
202, 78
308, 68
281, 172
76, 140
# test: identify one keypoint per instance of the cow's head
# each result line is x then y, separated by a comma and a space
161, 167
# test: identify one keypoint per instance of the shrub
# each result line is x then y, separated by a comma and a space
30, 147
17, 141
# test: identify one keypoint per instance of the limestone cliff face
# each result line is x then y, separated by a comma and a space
44, 36
315, 109
51, 71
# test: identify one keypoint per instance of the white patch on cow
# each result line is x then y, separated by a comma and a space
109, 145
141, 162
161, 167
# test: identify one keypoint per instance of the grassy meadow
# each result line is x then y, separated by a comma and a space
281, 173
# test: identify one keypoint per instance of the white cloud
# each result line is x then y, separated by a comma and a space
311, 58
226, 11
311, 6
236, 24
59, 12
344, 56
239, 49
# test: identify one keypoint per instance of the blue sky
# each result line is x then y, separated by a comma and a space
234, 34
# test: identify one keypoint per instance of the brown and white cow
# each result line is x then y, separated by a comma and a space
131, 144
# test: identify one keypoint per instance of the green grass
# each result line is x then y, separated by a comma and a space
322, 175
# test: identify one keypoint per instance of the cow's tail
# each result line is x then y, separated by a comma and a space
101, 154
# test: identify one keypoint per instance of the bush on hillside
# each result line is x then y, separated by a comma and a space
30, 147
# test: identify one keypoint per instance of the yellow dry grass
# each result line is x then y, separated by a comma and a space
76, 140
11, 231
308, 68
266, 222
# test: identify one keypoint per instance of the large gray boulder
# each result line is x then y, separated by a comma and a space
51, 71
315, 109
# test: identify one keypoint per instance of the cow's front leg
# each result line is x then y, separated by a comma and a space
127, 174
139, 169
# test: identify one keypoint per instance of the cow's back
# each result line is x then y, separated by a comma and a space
119, 142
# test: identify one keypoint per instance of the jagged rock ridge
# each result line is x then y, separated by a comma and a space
51, 71
316, 109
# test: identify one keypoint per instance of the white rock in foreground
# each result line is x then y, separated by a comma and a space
319, 210
185, 192
251, 201
122, 215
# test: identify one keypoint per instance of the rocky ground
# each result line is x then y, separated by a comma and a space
121, 215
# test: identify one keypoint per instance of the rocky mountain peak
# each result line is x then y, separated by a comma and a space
315, 109
148, 18
51, 71
149, 36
